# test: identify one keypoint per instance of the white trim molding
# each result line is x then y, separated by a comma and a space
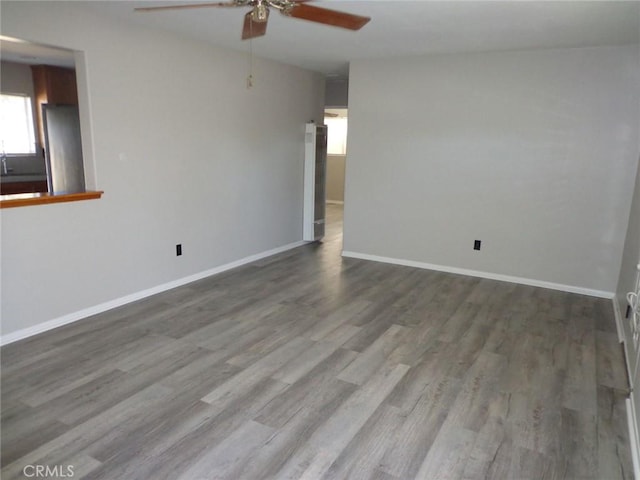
487, 275
633, 435
103, 307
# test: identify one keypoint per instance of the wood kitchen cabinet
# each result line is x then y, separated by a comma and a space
53, 85
23, 187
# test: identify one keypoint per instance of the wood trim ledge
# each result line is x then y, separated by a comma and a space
28, 199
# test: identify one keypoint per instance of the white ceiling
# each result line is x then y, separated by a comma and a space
400, 28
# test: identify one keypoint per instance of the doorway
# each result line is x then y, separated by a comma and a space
336, 121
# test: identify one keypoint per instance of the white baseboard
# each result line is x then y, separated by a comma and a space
335, 202
634, 440
103, 307
488, 275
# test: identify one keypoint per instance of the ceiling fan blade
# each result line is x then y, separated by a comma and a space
252, 29
190, 5
326, 16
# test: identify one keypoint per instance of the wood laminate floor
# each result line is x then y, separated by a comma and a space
307, 365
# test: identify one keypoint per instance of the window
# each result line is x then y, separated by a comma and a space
337, 135
16, 125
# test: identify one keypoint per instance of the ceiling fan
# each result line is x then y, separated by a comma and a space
255, 21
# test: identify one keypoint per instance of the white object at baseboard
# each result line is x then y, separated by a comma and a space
633, 302
488, 275
632, 422
309, 180
618, 317
103, 307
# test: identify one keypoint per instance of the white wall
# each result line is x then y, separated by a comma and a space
532, 152
184, 153
630, 260
626, 283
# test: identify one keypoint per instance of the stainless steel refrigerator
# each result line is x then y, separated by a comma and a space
63, 148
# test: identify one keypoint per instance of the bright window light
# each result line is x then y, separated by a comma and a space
336, 135
16, 125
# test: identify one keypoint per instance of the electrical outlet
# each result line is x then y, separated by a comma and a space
178, 250
476, 244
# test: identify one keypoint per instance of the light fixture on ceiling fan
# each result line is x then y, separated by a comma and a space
255, 21
260, 12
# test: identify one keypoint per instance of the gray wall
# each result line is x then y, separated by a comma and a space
337, 93
184, 153
335, 177
16, 78
532, 152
